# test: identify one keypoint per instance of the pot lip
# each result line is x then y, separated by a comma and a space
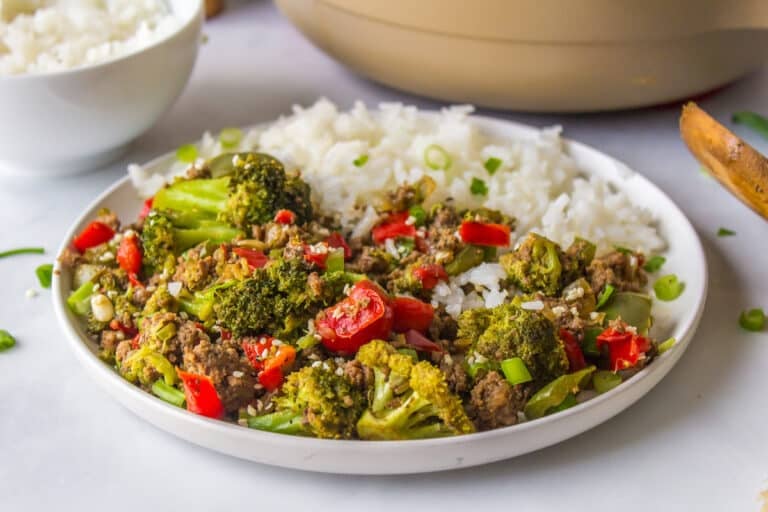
545, 21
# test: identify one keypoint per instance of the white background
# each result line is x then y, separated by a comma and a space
698, 441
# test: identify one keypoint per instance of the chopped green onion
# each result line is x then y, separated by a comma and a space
418, 213
409, 352
666, 345
405, 246
79, 301
567, 403
623, 250
755, 121
604, 296
168, 393
589, 345
604, 381
437, 158
187, 153
668, 287
752, 320
23, 250
230, 138
725, 232
44, 274
492, 165
335, 261
307, 342
474, 368
360, 161
6, 340
478, 187
654, 263
515, 371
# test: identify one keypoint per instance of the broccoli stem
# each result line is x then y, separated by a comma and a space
79, 301
202, 195
281, 422
213, 232
168, 393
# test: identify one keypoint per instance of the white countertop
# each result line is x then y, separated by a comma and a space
698, 441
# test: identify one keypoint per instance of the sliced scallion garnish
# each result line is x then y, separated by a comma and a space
418, 213
230, 138
23, 250
187, 153
725, 232
6, 340
360, 161
654, 263
666, 345
752, 320
668, 287
753, 120
44, 274
515, 371
602, 299
168, 393
335, 261
478, 187
604, 381
623, 250
437, 158
492, 165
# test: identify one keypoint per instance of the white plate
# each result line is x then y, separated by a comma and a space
679, 319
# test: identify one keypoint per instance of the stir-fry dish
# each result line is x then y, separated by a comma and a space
235, 297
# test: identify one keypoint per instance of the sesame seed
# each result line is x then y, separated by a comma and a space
534, 305
559, 310
276, 342
410, 221
259, 405
31, 293
242, 422
237, 374
258, 387
316, 364
269, 406
594, 315
251, 410
574, 311
339, 371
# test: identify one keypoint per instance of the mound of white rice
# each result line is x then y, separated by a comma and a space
39, 36
537, 182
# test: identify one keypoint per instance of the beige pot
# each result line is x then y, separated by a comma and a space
542, 55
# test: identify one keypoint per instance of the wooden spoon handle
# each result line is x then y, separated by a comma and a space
735, 164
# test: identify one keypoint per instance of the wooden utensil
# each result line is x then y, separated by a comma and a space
213, 7
735, 164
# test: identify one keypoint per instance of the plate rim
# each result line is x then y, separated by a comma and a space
113, 383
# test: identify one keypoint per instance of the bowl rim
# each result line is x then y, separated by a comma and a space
196, 14
662, 363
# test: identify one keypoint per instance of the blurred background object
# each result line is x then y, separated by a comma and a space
213, 7
542, 55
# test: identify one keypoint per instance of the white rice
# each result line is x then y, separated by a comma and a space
38, 36
537, 182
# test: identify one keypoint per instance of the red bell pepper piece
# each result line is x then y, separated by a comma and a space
271, 379
116, 325
146, 208
625, 349
95, 233
257, 351
336, 241
283, 357
573, 351
135, 341
255, 259
129, 254
393, 227
285, 217
409, 313
201, 395
430, 275
479, 233
420, 342
363, 316
316, 254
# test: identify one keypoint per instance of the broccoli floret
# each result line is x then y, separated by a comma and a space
409, 400
276, 299
516, 332
578, 256
146, 366
158, 332
315, 401
536, 266
160, 301
472, 323
259, 187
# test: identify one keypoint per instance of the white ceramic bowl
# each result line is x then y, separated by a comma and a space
76, 120
679, 319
